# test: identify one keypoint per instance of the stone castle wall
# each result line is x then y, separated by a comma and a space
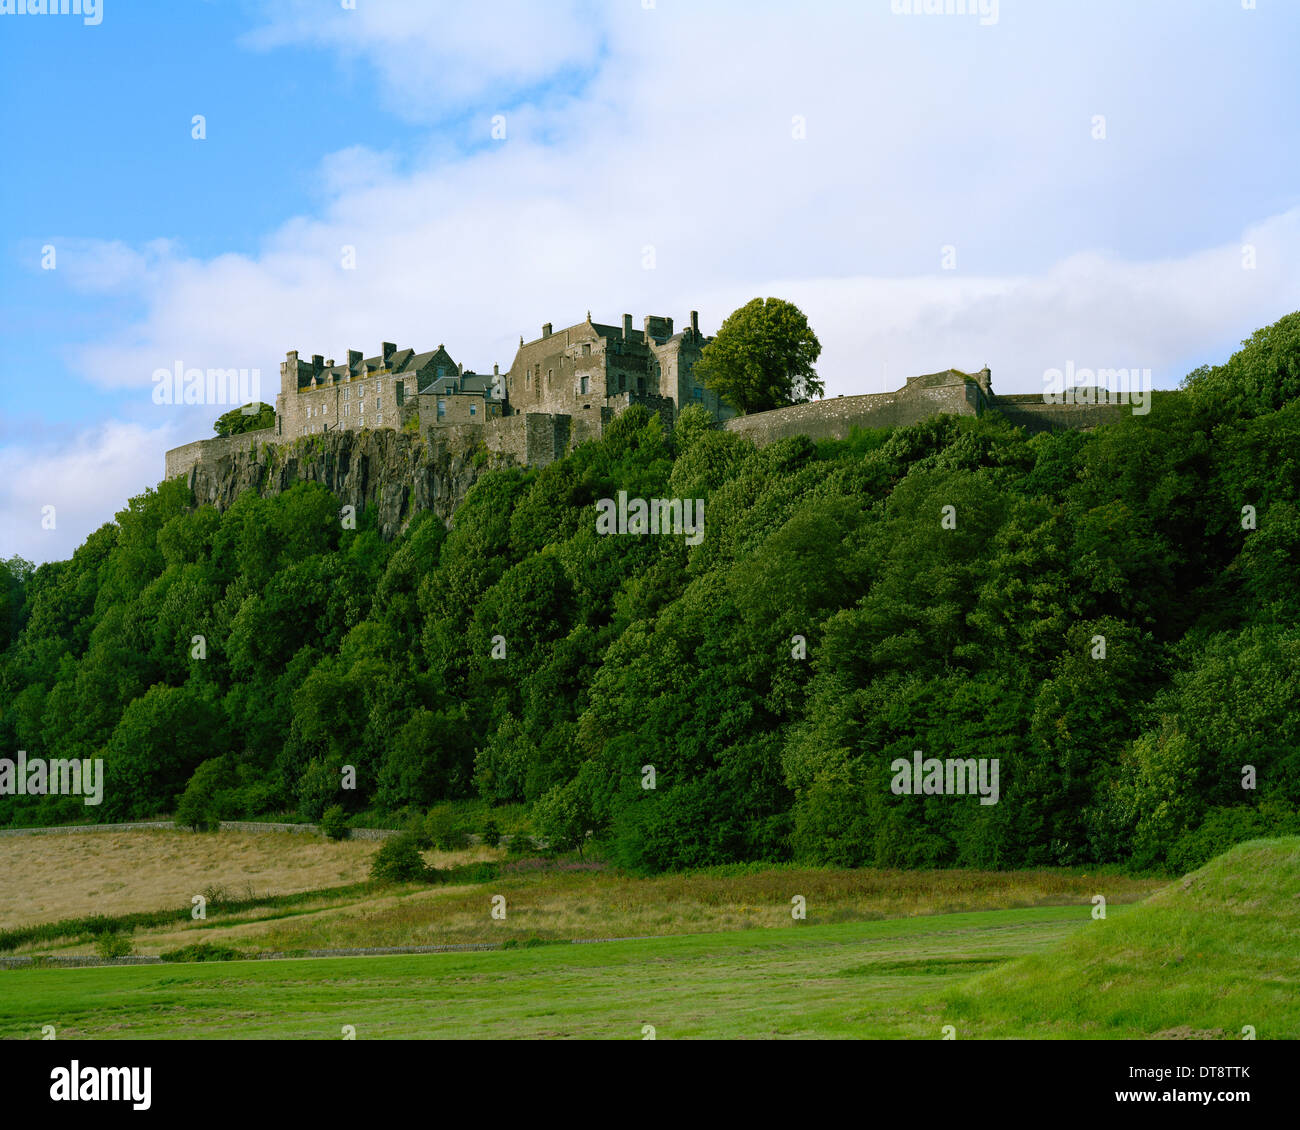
180, 460
837, 417
265, 460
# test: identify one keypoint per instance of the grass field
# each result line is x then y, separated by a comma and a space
855, 979
49, 877
1204, 957
160, 870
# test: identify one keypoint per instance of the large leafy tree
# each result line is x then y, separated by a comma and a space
763, 357
249, 418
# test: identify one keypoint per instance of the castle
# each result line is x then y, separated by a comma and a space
565, 386
579, 373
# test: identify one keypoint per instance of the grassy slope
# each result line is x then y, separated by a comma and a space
565, 904
854, 979
1208, 955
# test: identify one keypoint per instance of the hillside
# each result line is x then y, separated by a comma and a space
1212, 953
1098, 631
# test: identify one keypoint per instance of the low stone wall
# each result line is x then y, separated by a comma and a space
837, 417
1031, 412
181, 460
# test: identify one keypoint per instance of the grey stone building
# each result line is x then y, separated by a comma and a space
590, 365
319, 396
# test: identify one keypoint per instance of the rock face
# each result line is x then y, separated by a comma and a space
399, 473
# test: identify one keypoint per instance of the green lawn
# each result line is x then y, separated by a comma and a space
1203, 958
854, 979
1211, 954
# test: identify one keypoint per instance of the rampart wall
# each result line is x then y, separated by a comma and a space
181, 460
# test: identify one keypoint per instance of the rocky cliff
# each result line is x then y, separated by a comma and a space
399, 473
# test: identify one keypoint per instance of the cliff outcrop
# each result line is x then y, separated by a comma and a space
398, 473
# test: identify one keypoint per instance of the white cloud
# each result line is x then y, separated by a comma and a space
86, 481
434, 58
673, 128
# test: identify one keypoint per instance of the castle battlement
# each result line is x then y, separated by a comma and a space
565, 386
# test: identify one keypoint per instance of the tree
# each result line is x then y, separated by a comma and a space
249, 418
1260, 377
762, 357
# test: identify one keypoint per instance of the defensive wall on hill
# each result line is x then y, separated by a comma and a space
538, 438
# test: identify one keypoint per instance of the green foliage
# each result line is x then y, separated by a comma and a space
203, 951
398, 860
762, 357
200, 806
1098, 618
444, 830
249, 418
334, 822
112, 945
1261, 377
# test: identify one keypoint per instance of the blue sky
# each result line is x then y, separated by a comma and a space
931, 190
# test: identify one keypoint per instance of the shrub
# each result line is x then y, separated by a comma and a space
1224, 828
198, 807
334, 823
203, 951
113, 945
491, 833
521, 843
442, 829
399, 861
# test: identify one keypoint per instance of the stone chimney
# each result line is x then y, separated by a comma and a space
496, 370
388, 348
354, 358
546, 330
291, 357
695, 324
670, 326
627, 327
330, 363
317, 361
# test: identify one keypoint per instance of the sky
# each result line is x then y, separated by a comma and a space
1026, 184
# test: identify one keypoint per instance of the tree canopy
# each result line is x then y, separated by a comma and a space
762, 357
249, 418
1113, 615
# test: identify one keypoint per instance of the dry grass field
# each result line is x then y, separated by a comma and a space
52, 877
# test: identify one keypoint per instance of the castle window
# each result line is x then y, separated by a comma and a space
442, 408
363, 408
528, 379
586, 349
585, 385
401, 393
347, 394
347, 409
473, 410
381, 421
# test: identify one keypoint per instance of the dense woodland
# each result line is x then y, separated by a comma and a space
327, 647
